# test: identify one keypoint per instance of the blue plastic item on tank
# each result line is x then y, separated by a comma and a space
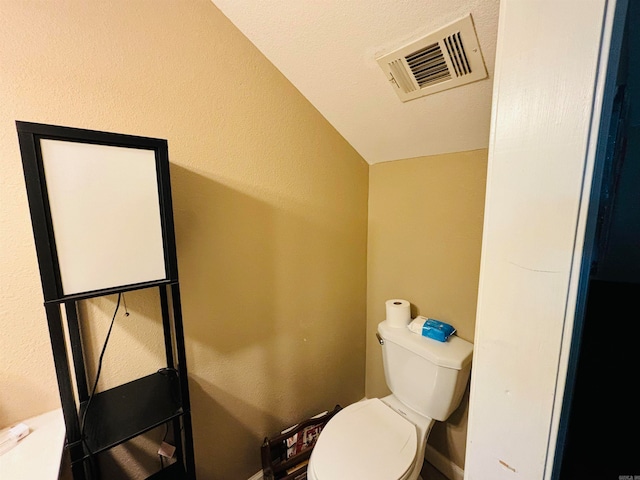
437, 330
432, 328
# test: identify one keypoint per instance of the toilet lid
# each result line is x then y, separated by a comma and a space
367, 440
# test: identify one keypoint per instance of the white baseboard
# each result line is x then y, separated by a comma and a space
443, 464
257, 476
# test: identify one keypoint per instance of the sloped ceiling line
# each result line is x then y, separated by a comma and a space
328, 49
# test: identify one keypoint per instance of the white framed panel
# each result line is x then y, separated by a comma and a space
105, 212
101, 210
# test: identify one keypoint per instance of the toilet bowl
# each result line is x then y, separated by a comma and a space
371, 440
385, 438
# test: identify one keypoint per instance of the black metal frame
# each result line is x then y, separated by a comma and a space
29, 137
126, 411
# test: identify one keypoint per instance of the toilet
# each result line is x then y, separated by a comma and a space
385, 438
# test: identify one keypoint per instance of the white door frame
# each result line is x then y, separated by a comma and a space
548, 106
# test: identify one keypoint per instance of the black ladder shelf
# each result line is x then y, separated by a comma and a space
70, 174
128, 410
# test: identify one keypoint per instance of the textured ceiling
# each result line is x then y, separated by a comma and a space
328, 50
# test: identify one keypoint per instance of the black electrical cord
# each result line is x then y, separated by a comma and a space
95, 384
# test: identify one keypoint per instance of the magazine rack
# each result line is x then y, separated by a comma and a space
277, 464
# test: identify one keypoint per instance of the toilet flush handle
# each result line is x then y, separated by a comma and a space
380, 340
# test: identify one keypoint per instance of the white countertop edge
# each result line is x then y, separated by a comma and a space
39, 454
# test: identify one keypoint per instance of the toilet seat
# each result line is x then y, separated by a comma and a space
366, 440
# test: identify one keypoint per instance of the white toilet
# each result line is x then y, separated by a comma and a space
384, 439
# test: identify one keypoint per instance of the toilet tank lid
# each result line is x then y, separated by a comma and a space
455, 353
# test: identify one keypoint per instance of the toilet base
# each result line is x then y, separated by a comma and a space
423, 425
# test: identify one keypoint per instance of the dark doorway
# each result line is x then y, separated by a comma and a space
603, 429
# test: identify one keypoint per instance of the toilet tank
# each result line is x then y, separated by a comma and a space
428, 376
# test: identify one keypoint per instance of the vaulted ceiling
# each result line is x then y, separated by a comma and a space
328, 50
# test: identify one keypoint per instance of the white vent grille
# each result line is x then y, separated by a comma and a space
401, 76
428, 65
459, 59
444, 59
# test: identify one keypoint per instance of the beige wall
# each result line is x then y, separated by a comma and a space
425, 231
270, 205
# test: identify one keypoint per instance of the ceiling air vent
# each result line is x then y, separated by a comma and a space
444, 59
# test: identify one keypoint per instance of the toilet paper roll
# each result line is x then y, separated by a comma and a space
398, 312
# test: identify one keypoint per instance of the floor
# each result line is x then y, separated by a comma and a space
429, 472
